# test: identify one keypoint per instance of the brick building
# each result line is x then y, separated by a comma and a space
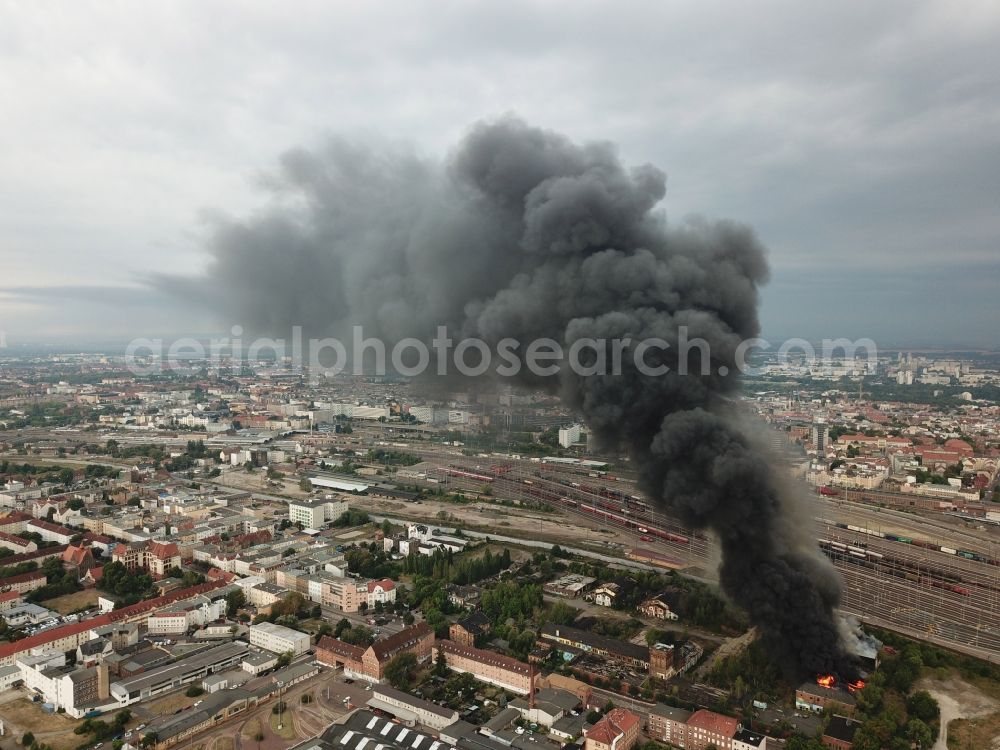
617, 730
706, 728
369, 664
488, 666
668, 724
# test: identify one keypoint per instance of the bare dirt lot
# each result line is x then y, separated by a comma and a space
970, 719
72, 602
498, 519
20, 715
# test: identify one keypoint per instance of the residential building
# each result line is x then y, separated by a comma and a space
163, 623
16, 544
8, 676
617, 730
488, 666
369, 664
706, 728
745, 739
68, 637
9, 600
569, 436
23, 583
668, 724
51, 532
468, 629
315, 514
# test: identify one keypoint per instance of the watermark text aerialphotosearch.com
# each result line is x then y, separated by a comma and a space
474, 357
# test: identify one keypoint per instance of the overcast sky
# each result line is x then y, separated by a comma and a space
861, 140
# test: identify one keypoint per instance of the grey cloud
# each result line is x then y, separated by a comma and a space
860, 132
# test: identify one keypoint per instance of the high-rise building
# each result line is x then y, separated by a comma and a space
820, 435
569, 435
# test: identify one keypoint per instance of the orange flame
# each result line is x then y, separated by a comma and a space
856, 685
826, 680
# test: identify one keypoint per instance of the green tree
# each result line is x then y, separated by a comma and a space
441, 664
918, 733
921, 705
401, 670
235, 601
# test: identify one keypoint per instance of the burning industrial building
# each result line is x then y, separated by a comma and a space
525, 235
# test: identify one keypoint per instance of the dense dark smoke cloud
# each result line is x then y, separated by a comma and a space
524, 234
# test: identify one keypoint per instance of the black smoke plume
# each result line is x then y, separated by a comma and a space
524, 234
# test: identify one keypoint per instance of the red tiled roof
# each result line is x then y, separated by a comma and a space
385, 583
53, 634
713, 722
44, 552
53, 527
390, 646
484, 656
615, 723
17, 541
118, 615
76, 554
163, 550
126, 613
21, 578
340, 648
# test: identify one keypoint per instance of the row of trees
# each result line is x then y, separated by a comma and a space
463, 571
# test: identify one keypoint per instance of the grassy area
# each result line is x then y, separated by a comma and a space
225, 743
311, 625
287, 731
170, 703
71, 602
974, 734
